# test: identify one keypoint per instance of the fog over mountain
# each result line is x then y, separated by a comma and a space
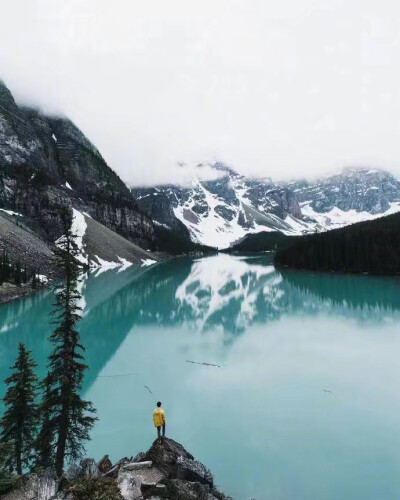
281, 89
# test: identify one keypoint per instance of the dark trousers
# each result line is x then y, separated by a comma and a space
159, 430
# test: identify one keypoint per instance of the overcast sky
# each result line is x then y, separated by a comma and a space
273, 88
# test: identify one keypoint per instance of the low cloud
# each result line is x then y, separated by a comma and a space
279, 89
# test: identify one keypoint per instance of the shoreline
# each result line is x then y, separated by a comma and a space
11, 293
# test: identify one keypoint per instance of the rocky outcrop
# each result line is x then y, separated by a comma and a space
175, 462
165, 471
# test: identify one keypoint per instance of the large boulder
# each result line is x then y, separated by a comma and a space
186, 490
32, 487
128, 485
153, 490
130, 480
140, 457
88, 468
164, 454
104, 465
72, 473
174, 461
193, 470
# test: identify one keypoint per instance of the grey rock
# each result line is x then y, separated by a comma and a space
146, 486
140, 457
128, 485
39, 154
138, 465
154, 490
33, 487
88, 468
186, 490
113, 472
192, 470
104, 465
164, 455
73, 472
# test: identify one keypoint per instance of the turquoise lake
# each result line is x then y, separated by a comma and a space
305, 403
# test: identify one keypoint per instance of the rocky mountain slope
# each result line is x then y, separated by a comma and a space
46, 163
223, 210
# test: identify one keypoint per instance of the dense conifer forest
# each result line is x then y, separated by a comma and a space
367, 247
262, 242
12, 271
172, 242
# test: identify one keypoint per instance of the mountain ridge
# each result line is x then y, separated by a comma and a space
46, 163
219, 212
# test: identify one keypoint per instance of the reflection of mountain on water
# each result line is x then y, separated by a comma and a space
359, 296
102, 330
236, 292
221, 291
228, 291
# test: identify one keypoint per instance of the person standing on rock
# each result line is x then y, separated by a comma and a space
159, 420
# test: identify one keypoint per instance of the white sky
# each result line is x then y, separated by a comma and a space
273, 88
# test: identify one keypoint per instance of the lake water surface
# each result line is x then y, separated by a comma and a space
305, 403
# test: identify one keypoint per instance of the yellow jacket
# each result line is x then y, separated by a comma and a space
158, 417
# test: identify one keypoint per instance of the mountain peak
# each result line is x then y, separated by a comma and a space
221, 167
220, 211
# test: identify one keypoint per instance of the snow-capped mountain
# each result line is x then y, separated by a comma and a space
223, 210
46, 165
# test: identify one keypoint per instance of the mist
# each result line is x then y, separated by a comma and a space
297, 88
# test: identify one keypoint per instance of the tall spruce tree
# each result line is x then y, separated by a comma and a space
7, 479
44, 443
20, 418
70, 418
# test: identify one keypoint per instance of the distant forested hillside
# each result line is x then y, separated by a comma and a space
367, 247
262, 242
172, 242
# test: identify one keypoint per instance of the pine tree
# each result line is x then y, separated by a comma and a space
20, 418
17, 273
7, 479
70, 417
44, 443
34, 281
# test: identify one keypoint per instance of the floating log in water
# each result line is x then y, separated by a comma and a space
201, 363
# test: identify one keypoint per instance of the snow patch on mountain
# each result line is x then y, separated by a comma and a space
78, 228
218, 212
209, 228
10, 212
336, 217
